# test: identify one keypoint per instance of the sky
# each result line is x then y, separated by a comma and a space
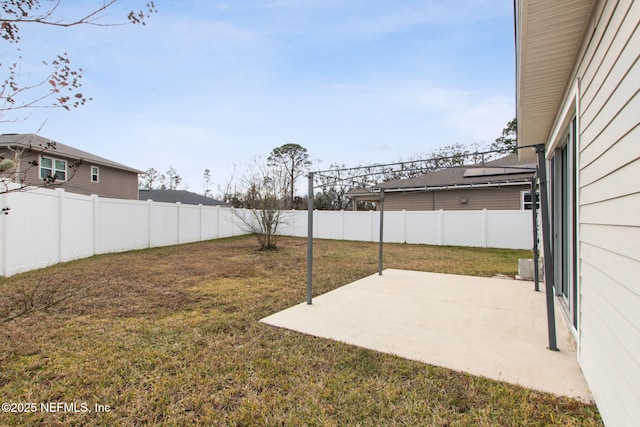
210, 84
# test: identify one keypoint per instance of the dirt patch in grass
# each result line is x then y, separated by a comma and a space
170, 336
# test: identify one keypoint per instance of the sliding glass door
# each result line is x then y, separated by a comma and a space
563, 213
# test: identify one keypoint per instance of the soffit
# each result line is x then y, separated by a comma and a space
549, 34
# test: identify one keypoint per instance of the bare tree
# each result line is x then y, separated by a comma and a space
262, 197
153, 180
173, 179
228, 191
20, 12
149, 179
206, 192
62, 82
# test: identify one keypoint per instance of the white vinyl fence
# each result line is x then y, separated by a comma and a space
510, 229
45, 227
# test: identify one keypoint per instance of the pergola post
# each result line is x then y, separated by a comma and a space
534, 213
310, 240
381, 244
546, 244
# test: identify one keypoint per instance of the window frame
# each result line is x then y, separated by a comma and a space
524, 204
54, 170
96, 174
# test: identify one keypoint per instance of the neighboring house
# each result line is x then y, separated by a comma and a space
178, 196
578, 92
502, 184
75, 170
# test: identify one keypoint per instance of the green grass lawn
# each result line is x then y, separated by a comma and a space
170, 336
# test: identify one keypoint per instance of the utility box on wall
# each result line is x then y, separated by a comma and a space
526, 271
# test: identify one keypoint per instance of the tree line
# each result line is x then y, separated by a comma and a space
274, 182
286, 164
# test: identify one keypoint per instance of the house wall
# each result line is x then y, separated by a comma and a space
604, 93
495, 198
115, 183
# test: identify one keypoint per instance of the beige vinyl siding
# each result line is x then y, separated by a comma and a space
32, 175
114, 183
494, 198
609, 210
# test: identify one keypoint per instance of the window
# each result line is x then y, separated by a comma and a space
95, 174
53, 169
527, 200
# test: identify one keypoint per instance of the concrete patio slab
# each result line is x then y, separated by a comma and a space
488, 327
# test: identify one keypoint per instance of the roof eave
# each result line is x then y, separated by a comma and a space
93, 161
549, 34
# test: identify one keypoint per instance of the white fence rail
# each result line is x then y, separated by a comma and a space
45, 227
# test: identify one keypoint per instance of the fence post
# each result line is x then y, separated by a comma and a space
217, 233
315, 222
200, 222
60, 193
404, 226
149, 216
442, 227
3, 237
371, 226
233, 225
178, 205
484, 228
94, 206
292, 223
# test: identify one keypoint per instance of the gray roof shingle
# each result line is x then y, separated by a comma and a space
507, 169
39, 143
175, 196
